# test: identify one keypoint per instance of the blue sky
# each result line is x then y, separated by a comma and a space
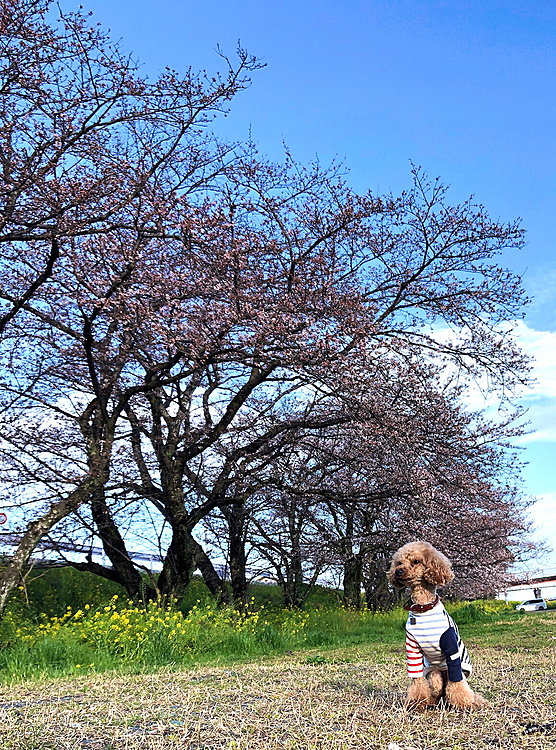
463, 88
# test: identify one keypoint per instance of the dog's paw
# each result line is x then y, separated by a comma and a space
419, 696
460, 696
479, 700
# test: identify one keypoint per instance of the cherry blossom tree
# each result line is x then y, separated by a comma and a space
94, 160
418, 465
179, 313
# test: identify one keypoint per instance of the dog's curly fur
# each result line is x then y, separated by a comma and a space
421, 568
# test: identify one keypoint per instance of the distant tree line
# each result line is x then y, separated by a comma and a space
243, 360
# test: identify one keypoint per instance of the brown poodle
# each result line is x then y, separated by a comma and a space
437, 660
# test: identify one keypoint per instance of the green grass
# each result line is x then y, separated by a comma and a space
123, 636
66, 622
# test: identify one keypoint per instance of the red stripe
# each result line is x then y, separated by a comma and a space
414, 657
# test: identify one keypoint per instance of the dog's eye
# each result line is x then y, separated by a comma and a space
416, 562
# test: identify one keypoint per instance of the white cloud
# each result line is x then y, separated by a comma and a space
543, 513
541, 345
542, 417
540, 399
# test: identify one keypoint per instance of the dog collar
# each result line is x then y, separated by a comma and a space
420, 608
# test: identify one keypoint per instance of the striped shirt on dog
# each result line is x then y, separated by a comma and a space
433, 642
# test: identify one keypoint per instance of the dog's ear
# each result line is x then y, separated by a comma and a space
438, 569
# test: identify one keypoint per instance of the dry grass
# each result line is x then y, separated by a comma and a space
350, 698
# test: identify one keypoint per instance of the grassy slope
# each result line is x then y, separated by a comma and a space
52, 590
89, 632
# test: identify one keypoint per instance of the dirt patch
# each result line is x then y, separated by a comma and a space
352, 698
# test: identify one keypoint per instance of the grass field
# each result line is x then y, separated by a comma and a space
349, 698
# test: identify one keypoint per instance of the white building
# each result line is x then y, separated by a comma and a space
533, 586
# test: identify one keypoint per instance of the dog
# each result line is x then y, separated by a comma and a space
437, 660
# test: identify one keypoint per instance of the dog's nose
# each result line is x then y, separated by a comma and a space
398, 573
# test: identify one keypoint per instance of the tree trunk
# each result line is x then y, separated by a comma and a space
179, 564
377, 593
215, 584
293, 594
353, 573
353, 565
114, 547
36, 530
288, 589
236, 517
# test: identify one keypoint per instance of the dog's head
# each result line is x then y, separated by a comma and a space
419, 562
